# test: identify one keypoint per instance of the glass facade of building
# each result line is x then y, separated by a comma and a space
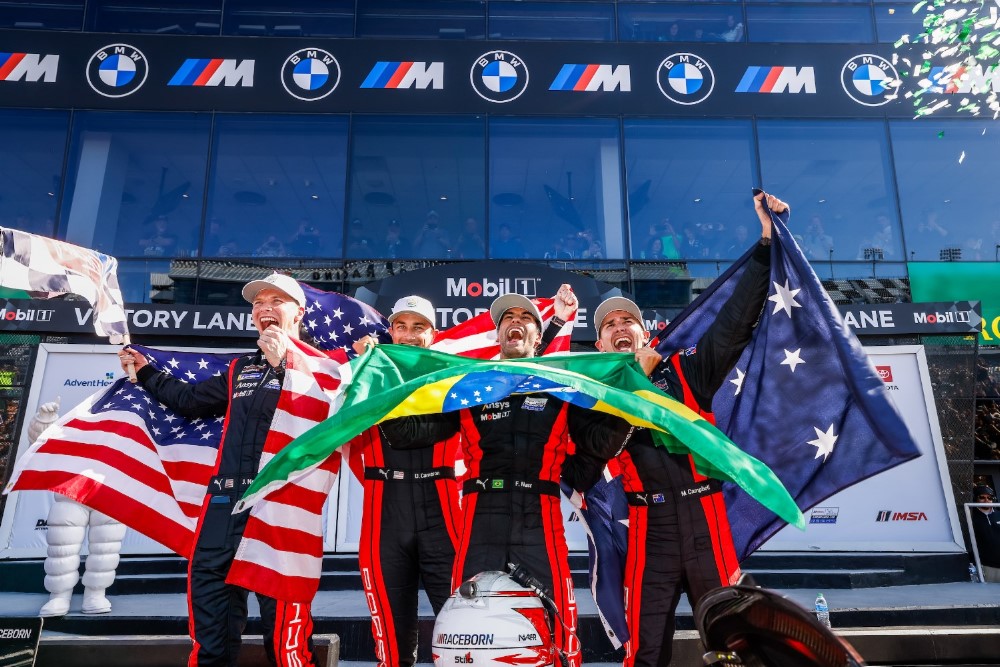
621, 192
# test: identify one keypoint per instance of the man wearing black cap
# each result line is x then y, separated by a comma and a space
679, 537
411, 519
514, 450
247, 396
986, 526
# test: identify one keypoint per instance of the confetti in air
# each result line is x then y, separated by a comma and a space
957, 54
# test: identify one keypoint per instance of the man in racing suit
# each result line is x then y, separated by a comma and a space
514, 451
247, 396
411, 520
679, 537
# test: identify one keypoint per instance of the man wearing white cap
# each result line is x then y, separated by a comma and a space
411, 519
679, 535
247, 396
514, 450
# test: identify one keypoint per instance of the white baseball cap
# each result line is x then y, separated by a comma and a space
609, 306
504, 303
278, 281
417, 305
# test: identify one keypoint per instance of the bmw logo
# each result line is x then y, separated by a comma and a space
310, 74
117, 70
870, 80
499, 76
685, 78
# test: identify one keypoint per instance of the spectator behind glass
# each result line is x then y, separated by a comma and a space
673, 33
986, 527
880, 238
470, 242
733, 31
395, 247
816, 243
654, 250
307, 241
159, 240
359, 246
506, 245
270, 247
432, 241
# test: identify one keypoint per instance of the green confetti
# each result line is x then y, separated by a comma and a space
966, 29
941, 134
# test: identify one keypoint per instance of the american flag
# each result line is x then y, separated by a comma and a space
334, 321
477, 337
123, 453
47, 268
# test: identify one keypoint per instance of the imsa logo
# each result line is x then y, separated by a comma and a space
310, 74
499, 76
117, 70
870, 80
685, 78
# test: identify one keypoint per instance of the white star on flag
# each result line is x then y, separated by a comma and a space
738, 381
792, 359
824, 442
784, 298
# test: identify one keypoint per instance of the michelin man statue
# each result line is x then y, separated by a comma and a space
68, 522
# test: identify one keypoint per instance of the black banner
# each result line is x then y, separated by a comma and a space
19, 641
956, 317
156, 72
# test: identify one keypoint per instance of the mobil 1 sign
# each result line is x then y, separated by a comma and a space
459, 292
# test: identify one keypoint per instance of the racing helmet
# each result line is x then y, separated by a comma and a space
492, 620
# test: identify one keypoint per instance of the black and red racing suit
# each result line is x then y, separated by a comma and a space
409, 533
514, 451
247, 396
679, 537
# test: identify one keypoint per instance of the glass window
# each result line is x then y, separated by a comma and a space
552, 20
32, 146
277, 187
948, 196
49, 15
417, 187
291, 18
895, 20
135, 183
163, 17
805, 24
444, 19
148, 281
836, 175
555, 189
689, 189
664, 22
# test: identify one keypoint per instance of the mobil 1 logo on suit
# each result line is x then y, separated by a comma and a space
117, 70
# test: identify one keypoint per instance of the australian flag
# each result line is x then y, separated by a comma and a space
803, 398
335, 321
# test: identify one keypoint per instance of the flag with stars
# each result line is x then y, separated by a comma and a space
803, 398
399, 380
123, 453
334, 321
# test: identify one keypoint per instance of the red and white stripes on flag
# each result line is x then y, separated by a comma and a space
104, 454
49, 268
281, 553
477, 337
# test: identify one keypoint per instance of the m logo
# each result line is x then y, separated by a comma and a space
405, 75
870, 80
685, 78
310, 74
117, 70
214, 72
31, 67
499, 76
777, 80
591, 78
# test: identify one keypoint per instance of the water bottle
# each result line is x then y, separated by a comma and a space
822, 610
973, 576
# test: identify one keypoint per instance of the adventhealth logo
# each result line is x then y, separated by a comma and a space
389, 74
777, 79
588, 78
31, 67
214, 72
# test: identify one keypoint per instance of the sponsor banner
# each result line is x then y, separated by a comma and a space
461, 291
907, 508
19, 641
946, 281
240, 74
955, 317
145, 318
